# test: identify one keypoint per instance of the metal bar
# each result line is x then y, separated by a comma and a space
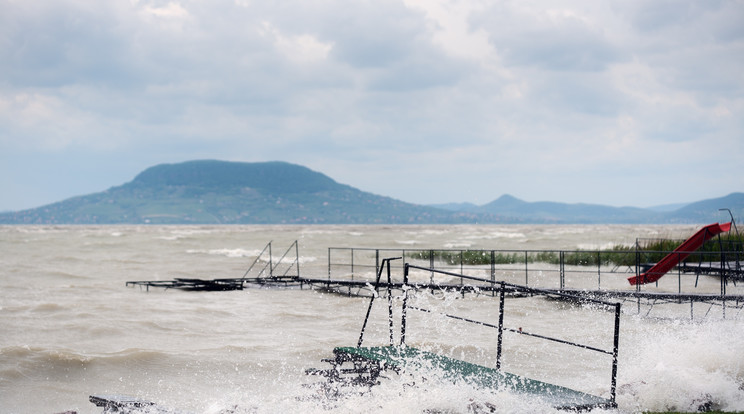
256, 260
462, 254
499, 342
377, 260
405, 305
369, 308
390, 304
296, 261
613, 386
431, 265
679, 277
519, 288
271, 266
297, 255
493, 266
562, 265
599, 269
517, 331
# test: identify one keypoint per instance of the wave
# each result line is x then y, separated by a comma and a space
27, 362
237, 253
226, 252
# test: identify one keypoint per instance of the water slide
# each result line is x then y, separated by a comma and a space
680, 253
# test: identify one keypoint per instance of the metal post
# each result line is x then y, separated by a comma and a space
638, 274
599, 270
369, 308
405, 305
692, 311
271, 265
613, 386
723, 267
352, 263
562, 256
390, 304
377, 261
493, 271
297, 255
431, 266
501, 327
493, 266
329, 263
526, 271
679, 279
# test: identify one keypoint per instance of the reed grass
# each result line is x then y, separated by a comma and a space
645, 251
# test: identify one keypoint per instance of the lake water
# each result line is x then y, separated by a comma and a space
69, 327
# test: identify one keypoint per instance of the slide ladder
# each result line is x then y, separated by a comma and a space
680, 253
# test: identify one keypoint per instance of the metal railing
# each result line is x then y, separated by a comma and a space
548, 269
274, 270
503, 288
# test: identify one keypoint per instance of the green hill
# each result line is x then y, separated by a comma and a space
219, 192
551, 212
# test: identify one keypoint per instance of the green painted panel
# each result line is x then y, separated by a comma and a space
409, 358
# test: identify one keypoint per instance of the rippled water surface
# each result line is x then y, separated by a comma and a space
69, 327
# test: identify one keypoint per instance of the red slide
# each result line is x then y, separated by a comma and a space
680, 253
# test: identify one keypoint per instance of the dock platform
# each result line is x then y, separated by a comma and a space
408, 358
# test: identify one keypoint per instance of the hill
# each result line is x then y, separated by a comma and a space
220, 192
701, 212
551, 212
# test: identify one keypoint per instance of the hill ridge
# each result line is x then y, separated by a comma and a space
278, 192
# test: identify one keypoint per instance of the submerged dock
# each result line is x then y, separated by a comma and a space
598, 274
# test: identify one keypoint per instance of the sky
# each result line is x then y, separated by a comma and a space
618, 102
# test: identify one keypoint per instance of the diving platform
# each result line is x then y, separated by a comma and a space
406, 358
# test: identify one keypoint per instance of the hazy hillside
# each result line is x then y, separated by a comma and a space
219, 192
702, 212
560, 212
231, 192
708, 210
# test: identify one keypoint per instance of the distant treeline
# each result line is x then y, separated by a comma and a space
646, 251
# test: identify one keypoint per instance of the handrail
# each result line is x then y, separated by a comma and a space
503, 287
372, 300
551, 268
270, 263
295, 261
268, 246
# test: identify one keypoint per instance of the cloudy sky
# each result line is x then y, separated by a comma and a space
626, 102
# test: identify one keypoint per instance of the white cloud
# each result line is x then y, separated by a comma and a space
171, 10
506, 93
301, 49
451, 28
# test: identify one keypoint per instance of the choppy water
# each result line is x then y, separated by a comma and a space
70, 328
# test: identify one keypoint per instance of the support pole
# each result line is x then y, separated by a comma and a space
501, 327
613, 386
405, 306
369, 308
390, 305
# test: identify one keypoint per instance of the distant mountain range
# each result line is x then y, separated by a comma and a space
549, 212
221, 192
